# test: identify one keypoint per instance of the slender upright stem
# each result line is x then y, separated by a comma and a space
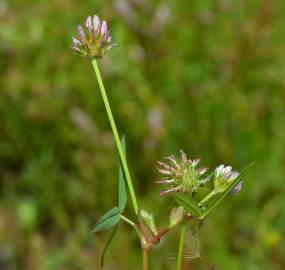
145, 259
181, 247
116, 135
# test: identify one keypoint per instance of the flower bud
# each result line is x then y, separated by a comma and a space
81, 34
89, 23
176, 216
147, 229
103, 28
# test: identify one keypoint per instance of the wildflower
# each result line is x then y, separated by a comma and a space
95, 42
223, 177
181, 175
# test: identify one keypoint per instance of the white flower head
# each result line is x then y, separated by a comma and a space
223, 177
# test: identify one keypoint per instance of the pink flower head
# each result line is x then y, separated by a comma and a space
181, 175
95, 42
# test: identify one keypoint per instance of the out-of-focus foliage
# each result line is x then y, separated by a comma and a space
205, 76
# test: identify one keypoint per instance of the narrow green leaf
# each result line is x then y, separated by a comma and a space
109, 220
111, 236
122, 181
188, 203
226, 192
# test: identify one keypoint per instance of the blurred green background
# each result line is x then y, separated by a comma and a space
203, 76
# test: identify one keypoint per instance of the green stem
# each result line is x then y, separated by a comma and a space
145, 259
181, 246
116, 135
208, 197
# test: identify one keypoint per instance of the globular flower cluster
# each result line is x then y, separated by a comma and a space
181, 175
95, 42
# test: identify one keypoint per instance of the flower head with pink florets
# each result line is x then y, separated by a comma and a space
181, 174
95, 42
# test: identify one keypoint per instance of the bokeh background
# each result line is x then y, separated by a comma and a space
203, 76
